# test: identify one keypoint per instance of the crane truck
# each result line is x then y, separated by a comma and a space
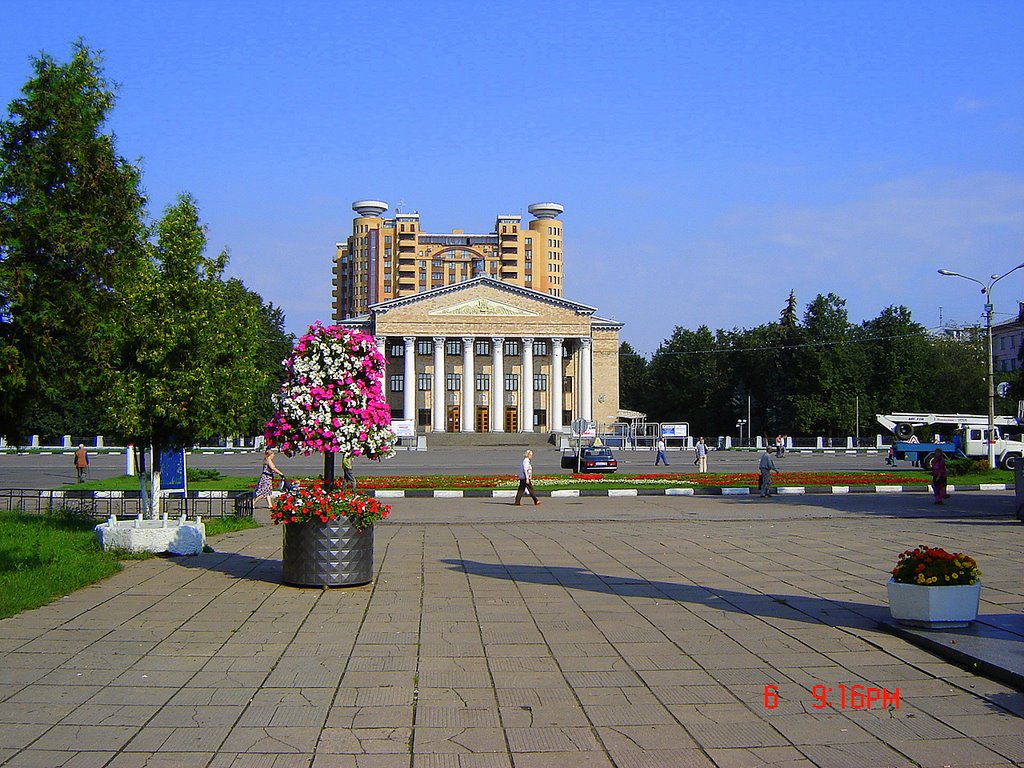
968, 433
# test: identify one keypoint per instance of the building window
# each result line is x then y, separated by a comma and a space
397, 350
424, 347
483, 347
512, 348
511, 382
397, 383
540, 382
540, 348
453, 382
423, 417
540, 418
453, 347
483, 382
423, 382
567, 383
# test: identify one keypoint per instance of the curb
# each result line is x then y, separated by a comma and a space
782, 490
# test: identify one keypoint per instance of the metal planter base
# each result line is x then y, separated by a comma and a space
332, 554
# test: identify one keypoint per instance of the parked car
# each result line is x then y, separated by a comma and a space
593, 458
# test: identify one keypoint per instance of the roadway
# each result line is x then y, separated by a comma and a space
34, 470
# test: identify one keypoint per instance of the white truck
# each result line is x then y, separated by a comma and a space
967, 431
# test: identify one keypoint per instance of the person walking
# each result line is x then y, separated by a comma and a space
348, 479
526, 480
766, 467
265, 485
701, 450
940, 475
661, 453
81, 462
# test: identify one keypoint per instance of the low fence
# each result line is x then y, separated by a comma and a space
103, 504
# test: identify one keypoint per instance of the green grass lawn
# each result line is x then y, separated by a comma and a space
45, 557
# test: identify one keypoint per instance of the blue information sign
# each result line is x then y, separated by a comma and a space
172, 469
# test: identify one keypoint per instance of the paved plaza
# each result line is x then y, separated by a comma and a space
594, 632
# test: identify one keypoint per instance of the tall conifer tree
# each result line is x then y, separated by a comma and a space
71, 230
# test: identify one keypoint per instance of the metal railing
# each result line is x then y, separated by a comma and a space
103, 504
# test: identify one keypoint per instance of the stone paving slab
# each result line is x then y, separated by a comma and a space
642, 631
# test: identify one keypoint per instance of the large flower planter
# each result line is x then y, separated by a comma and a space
934, 607
332, 554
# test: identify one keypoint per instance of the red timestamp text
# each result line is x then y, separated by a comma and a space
842, 697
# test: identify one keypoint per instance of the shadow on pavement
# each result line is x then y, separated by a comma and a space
816, 610
236, 565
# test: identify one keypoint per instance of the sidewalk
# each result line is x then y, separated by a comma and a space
634, 632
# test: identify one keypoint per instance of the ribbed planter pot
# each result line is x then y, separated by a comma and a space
332, 554
934, 607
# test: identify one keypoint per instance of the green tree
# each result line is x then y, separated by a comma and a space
189, 365
632, 379
789, 317
71, 233
897, 351
688, 380
956, 375
830, 370
275, 345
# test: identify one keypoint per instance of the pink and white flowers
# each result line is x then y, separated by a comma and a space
333, 399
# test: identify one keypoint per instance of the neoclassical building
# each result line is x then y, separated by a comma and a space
483, 352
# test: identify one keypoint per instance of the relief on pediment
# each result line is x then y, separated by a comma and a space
479, 307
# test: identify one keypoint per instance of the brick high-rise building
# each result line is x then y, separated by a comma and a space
389, 257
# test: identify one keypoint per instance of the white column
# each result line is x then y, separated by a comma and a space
498, 384
526, 387
381, 346
586, 380
438, 390
468, 377
556, 384
409, 401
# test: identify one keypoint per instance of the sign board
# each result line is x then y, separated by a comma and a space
172, 469
675, 430
583, 428
403, 428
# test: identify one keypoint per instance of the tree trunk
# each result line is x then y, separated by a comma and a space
328, 470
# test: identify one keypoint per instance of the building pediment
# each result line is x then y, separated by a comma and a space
483, 307
496, 292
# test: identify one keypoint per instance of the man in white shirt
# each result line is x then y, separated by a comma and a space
526, 479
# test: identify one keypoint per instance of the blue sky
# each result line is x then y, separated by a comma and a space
711, 156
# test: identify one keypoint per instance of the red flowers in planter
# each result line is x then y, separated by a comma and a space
314, 502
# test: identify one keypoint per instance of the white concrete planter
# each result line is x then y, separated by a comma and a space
934, 607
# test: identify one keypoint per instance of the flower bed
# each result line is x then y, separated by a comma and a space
488, 482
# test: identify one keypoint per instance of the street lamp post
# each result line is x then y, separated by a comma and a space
739, 425
986, 291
